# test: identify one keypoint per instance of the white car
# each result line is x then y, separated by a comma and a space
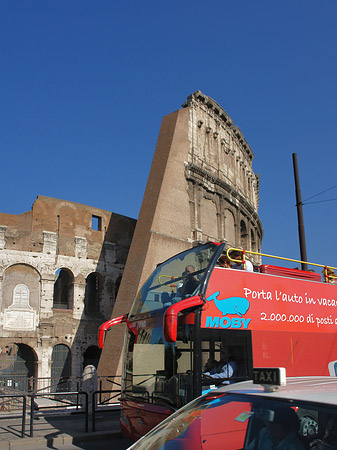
294, 414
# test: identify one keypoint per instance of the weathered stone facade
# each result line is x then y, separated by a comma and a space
201, 187
223, 189
60, 268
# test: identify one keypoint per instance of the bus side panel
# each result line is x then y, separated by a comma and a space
236, 299
138, 418
302, 354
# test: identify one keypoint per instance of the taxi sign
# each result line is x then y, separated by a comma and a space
275, 376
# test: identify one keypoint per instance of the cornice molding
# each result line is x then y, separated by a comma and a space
199, 98
211, 104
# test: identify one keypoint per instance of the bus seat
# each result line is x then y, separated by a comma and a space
286, 272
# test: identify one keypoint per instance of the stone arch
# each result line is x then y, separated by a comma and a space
20, 297
259, 239
253, 242
63, 289
24, 275
230, 227
243, 235
22, 265
60, 366
191, 189
208, 216
93, 292
18, 365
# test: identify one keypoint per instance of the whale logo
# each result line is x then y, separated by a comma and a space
231, 305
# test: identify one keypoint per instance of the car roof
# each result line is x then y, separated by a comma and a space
313, 389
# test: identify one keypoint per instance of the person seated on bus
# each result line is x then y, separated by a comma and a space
239, 256
210, 365
225, 368
224, 261
280, 431
330, 276
189, 282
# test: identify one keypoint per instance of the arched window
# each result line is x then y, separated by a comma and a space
63, 289
253, 240
20, 297
21, 288
243, 235
18, 366
93, 289
60, 366
230, 227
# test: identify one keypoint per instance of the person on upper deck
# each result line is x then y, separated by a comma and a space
331, 276
189, 282
224, 261
235, 254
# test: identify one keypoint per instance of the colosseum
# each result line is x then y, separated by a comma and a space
201, 187
61, 263
60, 269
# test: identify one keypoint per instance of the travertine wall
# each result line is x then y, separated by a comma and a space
223, 188
201, 187
34, 246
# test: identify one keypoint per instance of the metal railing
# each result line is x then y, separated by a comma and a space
22, 384
105, 402
244, 252
23, 408
108, 380
63, 395
61, 404
15, 382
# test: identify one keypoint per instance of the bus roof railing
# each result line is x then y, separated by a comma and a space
244, 252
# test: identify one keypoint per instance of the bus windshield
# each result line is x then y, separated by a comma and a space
176, 279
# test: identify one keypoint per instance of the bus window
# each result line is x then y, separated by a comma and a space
239, 355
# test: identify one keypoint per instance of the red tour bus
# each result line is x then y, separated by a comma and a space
189, 306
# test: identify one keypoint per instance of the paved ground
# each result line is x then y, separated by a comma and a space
61, 431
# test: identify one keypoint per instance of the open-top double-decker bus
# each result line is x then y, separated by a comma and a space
189, 307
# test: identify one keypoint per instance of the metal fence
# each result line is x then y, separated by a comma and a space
62, 401
28, 397
20, 399
32, 384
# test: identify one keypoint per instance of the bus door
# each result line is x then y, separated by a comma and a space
159, 371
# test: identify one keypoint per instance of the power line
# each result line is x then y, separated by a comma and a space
316, 195
319, 201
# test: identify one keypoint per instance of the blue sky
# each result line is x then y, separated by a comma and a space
85, 84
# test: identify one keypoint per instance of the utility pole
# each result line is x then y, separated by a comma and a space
301, 232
